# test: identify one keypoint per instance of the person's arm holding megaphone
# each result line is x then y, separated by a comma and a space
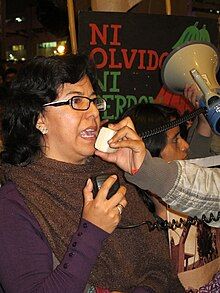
191, 92
200, 132
184, 186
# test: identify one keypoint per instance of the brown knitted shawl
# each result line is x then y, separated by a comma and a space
52, 191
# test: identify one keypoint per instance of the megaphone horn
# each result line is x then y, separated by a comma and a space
203, 57
195, 62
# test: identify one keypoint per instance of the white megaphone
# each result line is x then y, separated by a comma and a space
195, 62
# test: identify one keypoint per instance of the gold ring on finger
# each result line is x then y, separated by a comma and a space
120, 208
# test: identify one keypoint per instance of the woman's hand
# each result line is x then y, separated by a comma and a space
131, 149
192, 93
102, 212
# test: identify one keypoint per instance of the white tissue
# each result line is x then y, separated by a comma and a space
101, 144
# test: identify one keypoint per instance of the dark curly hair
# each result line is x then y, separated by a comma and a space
37, 83
149, 116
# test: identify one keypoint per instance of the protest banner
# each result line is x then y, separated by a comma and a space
129, 50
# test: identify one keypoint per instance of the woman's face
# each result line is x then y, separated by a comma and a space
176, 147
71, 134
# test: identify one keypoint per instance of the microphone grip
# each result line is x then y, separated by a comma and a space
99, 180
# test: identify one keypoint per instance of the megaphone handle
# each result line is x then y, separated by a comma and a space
200, 82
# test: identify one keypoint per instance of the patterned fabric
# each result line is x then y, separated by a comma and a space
213, 286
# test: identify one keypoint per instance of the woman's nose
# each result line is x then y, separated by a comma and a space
92, 111
183, 145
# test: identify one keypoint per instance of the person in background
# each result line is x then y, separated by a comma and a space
49, 242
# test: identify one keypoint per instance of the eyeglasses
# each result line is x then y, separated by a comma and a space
80, 103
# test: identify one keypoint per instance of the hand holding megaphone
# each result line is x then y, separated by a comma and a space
195, 62
210, 100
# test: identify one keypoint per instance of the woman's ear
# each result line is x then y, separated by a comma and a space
41, 125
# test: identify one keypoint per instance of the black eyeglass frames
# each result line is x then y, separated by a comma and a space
80, 103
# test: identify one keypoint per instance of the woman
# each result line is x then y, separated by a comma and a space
30, 250
49, 131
